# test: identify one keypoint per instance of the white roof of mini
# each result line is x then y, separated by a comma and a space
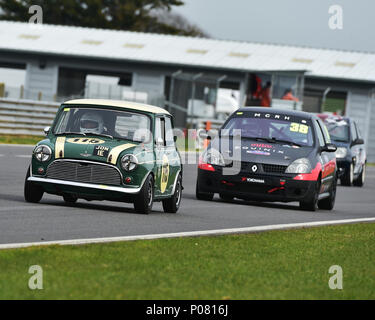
120, 104
184, 51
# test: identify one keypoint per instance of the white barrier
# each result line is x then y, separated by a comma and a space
26, 116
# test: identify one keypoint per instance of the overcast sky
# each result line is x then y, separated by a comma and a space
296, 22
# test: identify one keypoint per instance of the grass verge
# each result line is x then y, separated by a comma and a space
20, 139
289, 264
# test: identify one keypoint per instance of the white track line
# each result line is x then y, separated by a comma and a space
17, 145
187, 234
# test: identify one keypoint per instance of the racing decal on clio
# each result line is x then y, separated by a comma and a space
300, 128
329, 168
275, 116
253, 180
261, 145
263, 149
259, 153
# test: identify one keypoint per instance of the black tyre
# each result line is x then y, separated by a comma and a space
347, 179
68, 198
226, 197
145, 199
312, 203
32, 192
172, 204
203, 196
360, 181
329, 203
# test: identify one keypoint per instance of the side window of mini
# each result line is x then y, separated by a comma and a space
169, 137
319, 133
160, 131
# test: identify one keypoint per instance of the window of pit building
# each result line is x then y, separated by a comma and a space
281, 83
12, 81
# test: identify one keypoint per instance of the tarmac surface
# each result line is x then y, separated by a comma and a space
52, 219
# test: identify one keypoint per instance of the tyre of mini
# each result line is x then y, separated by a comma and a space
32, 192
172, 204
145, 198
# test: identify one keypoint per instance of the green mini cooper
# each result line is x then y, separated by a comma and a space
108, 150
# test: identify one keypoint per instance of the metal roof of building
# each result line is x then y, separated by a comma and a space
185, 51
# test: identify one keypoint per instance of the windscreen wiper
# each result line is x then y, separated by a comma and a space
286, 141
71, 133
101, 135
273, 140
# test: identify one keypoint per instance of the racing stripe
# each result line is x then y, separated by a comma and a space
59, 147
115, 152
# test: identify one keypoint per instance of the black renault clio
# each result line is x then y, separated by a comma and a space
270, 155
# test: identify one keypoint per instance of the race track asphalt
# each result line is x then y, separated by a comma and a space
53, 220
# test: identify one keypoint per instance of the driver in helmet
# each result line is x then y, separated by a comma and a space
91, 122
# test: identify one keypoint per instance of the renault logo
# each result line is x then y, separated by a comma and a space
254, 168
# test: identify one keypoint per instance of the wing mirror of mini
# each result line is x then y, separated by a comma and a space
46, 130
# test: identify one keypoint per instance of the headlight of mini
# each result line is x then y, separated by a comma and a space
43, 153
129, 162
299, 166
212, 156
341, 152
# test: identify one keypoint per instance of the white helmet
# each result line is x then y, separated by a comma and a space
91, 123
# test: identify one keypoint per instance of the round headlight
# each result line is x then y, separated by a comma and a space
341, 152
129, 162
299, 166
43, 153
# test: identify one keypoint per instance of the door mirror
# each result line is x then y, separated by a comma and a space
329, 147
359, 141
47, 130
